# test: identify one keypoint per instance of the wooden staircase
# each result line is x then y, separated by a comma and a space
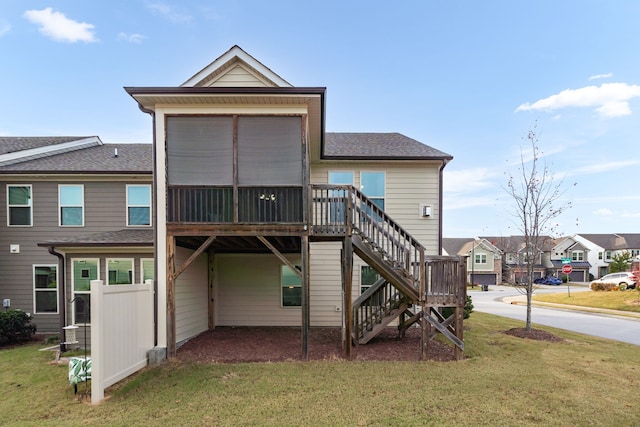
412, 287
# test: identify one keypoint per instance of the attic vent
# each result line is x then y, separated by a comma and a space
115, 152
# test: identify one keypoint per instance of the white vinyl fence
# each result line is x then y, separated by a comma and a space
121, 332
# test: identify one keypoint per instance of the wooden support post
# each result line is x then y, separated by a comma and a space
211, 290
347, 279
306, 288
171, 297
459, 330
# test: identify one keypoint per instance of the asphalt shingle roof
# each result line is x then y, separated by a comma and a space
378, 145
127, 237
132, 158
12, 144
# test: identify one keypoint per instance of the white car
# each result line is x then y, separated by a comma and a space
622, 280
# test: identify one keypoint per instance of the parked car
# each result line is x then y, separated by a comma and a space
548, 280
623, 280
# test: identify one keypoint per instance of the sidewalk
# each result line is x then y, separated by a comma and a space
522, 300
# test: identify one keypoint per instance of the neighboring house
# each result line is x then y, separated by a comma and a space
484, 260
259, 210
568, 250
65, 197
515, 261
602, 248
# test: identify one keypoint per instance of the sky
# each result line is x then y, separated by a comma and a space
470, 78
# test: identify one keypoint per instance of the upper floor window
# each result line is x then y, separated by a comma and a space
138, 205
71, 205
577, 256
481, 258
600, 255
337, 210
341, 177
372, 185
607, 255
19, 208
45, 288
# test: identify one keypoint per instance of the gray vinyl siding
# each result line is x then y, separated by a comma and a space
105, 210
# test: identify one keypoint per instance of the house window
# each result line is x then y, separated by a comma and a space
337, 202
608, 255
45, 288
147, 267
600, 255
372, 185
120, 272
291, 287
71, 205
83, 272
138, 205
19, 212
481, 258
577, 256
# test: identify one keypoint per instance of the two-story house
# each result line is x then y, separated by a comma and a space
71, 190
602, 248
263, 218
484, 260
568, 250
517, 259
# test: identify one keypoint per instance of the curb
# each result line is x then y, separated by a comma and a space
522, 300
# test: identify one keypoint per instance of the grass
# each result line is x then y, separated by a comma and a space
504, 381
628, 300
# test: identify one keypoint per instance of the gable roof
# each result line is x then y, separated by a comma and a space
454, 245
614, 241
396, 146
90, 157
236, 68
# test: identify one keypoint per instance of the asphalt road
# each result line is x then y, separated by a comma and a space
606, 326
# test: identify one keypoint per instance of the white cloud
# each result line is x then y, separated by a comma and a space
604, 167
60, 28
169, 12
4, 28
131, 38
610, 99
601, 76
468, 180
603, 212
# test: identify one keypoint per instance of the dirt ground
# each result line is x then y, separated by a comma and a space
271, 344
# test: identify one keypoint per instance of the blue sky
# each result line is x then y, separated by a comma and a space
470, 78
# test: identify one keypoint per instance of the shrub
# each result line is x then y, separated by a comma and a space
15, 326
468, 308
597, 286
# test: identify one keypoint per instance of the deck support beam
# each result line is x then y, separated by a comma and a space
347, 286
171, 297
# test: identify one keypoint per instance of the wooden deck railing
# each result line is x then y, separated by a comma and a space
217, 204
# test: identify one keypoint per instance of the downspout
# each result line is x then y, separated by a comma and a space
155, 225
61, 295
440, 198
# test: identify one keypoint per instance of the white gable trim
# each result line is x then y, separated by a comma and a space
236, 52
49, 150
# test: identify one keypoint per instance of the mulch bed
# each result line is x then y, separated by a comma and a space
276, 344
534, 334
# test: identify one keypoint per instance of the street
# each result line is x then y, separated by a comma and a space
612, 327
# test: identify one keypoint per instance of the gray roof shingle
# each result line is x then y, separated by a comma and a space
132, 158
127, 237
12, 144
378, 146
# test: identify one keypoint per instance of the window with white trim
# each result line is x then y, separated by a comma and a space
577, 256
120, 271
291, 286
138, 205
337, 197
71, 205
147, 268
607, 255
19, 206
600, 255
84, 270
481, 258
372, 186
45, 289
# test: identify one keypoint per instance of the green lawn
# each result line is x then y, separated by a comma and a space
504, 381
628, 300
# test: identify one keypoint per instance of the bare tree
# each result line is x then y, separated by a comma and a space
537, 198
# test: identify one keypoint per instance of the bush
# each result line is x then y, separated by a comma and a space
597, 286
468, 308
15, 326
